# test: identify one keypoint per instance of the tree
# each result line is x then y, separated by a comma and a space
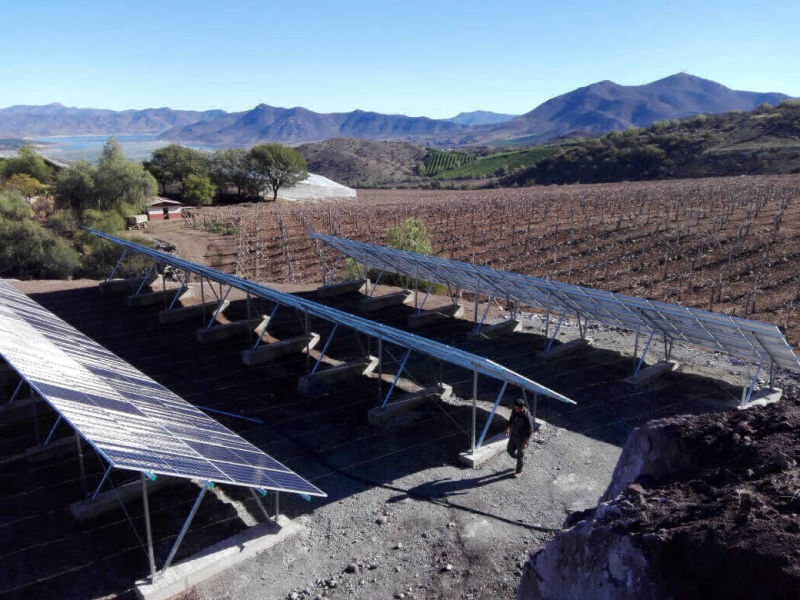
274, 166
199, 190
174, 163
75, 186
119, 181
230, 167
28, 162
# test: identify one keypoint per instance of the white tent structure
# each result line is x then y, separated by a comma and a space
316, 187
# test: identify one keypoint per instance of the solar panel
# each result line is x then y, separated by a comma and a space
388, 334
129, 419
716, 332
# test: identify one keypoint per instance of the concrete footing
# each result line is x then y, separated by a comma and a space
490, 332
650, 373
19, 410
267, 352
566, 348
491, 447
151, 298
354, 368
340, 289
114, 287
109, 500
426, 317
181, 577
187, 313
405, 403
219, 333
763, 397
368, 305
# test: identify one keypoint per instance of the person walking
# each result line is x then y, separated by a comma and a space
518, 431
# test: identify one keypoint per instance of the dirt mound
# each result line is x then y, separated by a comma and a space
699, 507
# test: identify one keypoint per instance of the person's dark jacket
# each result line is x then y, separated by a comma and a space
521, 424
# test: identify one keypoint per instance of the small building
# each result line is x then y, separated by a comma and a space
163, 209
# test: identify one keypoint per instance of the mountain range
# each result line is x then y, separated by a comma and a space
591, 110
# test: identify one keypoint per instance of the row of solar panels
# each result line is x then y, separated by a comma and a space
711, 331
398, 337
133, 422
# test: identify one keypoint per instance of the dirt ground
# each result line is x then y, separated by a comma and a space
403, 519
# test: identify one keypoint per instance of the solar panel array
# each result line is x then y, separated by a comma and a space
388, 334
129, 419
716, 332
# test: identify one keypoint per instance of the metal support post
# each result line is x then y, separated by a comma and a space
644, 353
380, 366
553, 337
277, 506
219, 307
102, 481
84, 490
748, 390
474, 405
52, 431
325, 348
483, 316
308, 340
264, 329
427, 293
374, 287
260, 505
581, 331
116, 266
145, 278
491, 415
185, 527
667, 347
16, 391
180, 289
149, 532
331, 274
475, 311
772, 373
396, 377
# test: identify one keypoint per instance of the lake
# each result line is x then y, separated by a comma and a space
69, 148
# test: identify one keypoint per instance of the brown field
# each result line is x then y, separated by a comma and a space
726, 244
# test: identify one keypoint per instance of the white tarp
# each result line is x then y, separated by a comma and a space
316, 187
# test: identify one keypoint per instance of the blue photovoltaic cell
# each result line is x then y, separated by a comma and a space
131, 420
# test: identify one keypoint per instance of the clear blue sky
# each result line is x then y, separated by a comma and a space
433, 58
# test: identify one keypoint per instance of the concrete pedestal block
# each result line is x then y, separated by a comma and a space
151, 298
426, 317
490, 332
342, 288
491, 447
114, 287
187, 313
368, 305
650, 373
763, 397
107, 501
566, 348
407, 402
267, 352
354, 368
219, 333
180, 578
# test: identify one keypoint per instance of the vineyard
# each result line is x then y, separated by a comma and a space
726, 244
439, 160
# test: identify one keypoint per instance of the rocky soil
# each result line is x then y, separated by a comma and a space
699, 507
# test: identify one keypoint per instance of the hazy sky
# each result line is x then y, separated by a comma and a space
433, 58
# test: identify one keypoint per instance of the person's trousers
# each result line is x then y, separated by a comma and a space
515, 450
